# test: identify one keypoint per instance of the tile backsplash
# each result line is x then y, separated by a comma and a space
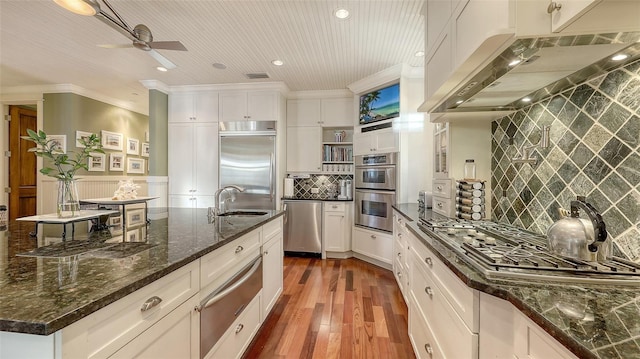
326, 185
594, 152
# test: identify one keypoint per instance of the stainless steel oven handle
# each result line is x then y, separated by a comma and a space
215, 296
286, 217
364, 190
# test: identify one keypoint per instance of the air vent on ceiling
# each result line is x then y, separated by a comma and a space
257, 75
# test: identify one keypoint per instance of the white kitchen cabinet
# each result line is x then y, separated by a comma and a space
249, 106
174, 336
193, 164
200, 106
444, 303
272, 274
569, 12
421, 336
378, 141
304, 113
336, 228
401, 249
373, 244
532, 342
337, 112
454, 143
238, 337
329, 112
106, 331
303, 149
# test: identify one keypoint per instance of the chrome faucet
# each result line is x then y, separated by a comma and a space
216, 209
528, 150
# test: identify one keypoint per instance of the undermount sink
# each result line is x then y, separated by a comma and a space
242, 214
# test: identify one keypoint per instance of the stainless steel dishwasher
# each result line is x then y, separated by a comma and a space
303, 227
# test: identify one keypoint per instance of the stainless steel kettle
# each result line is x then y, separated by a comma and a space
579, 238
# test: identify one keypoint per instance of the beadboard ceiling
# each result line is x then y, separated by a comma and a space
43, 44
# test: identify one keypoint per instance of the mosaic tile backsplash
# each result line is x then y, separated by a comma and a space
594, 152
328, 186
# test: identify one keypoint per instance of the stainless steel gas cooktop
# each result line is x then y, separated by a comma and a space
501, 251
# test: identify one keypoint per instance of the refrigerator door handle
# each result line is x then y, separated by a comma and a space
271, 165
284, 208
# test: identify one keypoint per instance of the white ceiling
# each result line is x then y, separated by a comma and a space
43, 44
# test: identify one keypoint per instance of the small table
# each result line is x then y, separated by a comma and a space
54, 219
122, 203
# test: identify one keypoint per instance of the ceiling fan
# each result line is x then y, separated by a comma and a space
140, 35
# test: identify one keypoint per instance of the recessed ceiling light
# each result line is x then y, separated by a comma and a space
161, 69
219, 66
619, 57
515, 62
277, 62
341, 13
526, 99
419, 54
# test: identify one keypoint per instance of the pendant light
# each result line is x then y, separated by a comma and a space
80, 7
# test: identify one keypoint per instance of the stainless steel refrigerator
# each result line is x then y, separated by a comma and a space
248, 159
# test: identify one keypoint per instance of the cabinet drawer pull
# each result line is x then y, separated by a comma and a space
429, 349
399, 254
373, 236
429, 291
239, 328
150, 303
334, 206
239, 249
399, 235
399, 275
439, 188
429, 261
439, 205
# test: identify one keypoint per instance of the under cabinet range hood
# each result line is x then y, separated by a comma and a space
534, 68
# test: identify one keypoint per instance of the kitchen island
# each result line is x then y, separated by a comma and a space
596, 320
40, 296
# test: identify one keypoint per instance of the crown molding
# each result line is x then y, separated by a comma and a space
35, 92
155, 85
386, 77
320, 94
257, 86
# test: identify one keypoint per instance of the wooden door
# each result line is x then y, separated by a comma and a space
22, 164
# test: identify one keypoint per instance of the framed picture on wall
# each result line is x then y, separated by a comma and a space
133, 236
145, 149
115, 225
82, 135
133, 146
135, 165
116, 162
112, 140
59, 142
135, 217
97, 162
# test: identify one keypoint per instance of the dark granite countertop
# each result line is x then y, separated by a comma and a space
610, 328
35, 300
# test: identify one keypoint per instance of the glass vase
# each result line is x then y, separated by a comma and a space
68, 202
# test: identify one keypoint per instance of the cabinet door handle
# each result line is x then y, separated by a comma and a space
429, 261
439, 205
239, 249
334, 206
266, 253
399, 254
429, 349
399, 275
399, 235
373, 236
429, 291
553, 6
239, 328
150, 303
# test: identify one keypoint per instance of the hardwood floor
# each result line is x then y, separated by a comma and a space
335, 308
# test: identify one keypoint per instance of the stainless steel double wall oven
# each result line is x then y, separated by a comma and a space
375, 182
